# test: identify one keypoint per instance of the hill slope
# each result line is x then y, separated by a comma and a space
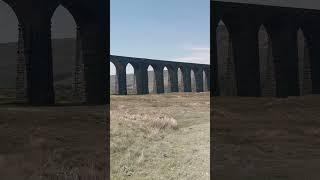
63, 61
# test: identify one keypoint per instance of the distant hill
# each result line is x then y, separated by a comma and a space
63, 62
63, 67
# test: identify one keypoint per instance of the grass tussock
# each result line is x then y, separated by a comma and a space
151, 122
164, 122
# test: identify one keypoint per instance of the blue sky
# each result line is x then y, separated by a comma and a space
176, 30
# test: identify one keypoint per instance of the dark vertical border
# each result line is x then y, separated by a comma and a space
106, 3
212, 129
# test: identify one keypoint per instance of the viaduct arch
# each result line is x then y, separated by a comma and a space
243, 22
34, 69
141, 65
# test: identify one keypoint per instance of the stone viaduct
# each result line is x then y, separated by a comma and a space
35, 74
34, 83
282, 24
141, 74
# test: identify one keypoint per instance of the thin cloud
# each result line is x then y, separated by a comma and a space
197, 55
201, 49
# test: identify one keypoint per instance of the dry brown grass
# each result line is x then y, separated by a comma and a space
164, 122
158, 136
266, 138
153, 122
52, 142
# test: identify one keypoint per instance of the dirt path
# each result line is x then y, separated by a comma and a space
169, 154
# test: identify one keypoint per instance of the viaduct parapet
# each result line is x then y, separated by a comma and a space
141, 65
243, 22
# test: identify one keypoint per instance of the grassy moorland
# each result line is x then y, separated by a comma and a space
160, 136
53, 142
266, 138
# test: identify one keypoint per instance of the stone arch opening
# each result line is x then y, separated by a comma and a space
267, 69
305, 79
193, 81
131, 79
12, 61
113, 79
205, 85
180, 80
166, 80
226, 66
152, 85
64, 52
